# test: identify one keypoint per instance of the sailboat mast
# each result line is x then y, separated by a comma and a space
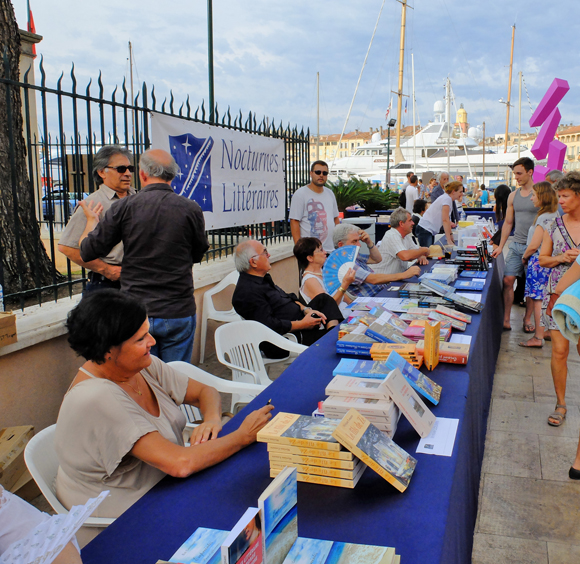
520, 116
507, 118
483, 157
317, 116
448, 122
414, 132
131, 81
398, 152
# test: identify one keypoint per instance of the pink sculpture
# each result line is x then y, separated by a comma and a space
551, 99
540, 173
556, 155
546, 135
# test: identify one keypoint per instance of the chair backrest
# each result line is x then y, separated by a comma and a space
229, 280
237, 345
42, 463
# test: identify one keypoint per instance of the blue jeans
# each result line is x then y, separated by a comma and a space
425, 237
174, 338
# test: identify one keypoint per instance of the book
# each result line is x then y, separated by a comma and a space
476, 285
407, 351
356, 340
243, 545
293, 459
385, 333
348, 386
300, 430
410, 404
366, 406
325, 480
202, 547
302, 451
313, 551
363, 368
453, 353
432, 336
376, 450
455, 323
438, 287
279, 513
423, 384
474, 274
317, 470
443, 310
464, 302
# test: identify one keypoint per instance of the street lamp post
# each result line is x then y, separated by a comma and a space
392, 123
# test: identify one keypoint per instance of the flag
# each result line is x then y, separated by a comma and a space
405, 106
389, 108
31, 27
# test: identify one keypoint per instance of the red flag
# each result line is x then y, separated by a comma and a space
31, 29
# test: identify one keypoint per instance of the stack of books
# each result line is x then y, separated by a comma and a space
464, 303
381, 351
416, 331
452, 353
444, 319
355, 344
474, 274
324, 461
444, 277
385, 333
414, 290
437, 287
369, 396
475, 285
454, 314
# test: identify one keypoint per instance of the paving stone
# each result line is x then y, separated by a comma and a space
542, 510
544, 388
527, 417
512, 454
557, 455
563, 553
513, 386
494, 549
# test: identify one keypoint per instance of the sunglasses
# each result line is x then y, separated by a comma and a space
122, 169
323, 172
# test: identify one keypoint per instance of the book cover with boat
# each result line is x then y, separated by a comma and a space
278, 508
376, 450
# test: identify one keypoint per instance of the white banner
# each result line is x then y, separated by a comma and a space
237, 178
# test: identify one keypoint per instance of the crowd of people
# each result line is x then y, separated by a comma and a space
120, 427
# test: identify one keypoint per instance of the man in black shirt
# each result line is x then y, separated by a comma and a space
256, 297
163, 234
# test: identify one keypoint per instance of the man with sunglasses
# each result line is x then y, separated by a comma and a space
112, 173
313, 210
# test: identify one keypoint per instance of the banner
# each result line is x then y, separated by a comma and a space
237, 178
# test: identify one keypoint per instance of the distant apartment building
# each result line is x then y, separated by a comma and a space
570, 136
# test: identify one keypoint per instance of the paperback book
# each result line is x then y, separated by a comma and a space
325, 480
203, 547
439, 288
293, 459
303, 451
443, 310
474, 274
366, 406
476, 285
455, 323
243, 545
452, 353
410, 404
300, 430
423, 384
376, 450
317, 470
384, 333
348, 386
464, 302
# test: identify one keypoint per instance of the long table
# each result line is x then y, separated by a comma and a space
432, 522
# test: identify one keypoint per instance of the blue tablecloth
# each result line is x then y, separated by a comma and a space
432, 522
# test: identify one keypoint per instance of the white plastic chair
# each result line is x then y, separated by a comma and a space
241, 392
210, 312
42, 463
240, 341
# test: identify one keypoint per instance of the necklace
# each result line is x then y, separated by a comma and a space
137, 391
315, 273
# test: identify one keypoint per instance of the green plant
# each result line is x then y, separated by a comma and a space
374, 199
349, 192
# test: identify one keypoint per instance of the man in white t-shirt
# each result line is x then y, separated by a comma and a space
313, 210
397, 247
411, 193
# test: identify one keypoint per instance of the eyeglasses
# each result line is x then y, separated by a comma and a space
122, 169
264, 252
323, 172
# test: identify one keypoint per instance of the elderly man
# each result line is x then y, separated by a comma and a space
163, 235
112, 173
439, 189
398, 248
367, 282
256, 297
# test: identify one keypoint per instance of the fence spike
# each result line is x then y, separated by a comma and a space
124, 87
88, 91
59, 81
42, 73
26, 75
203, 110
171, 102
216, 115
154, 100
113, 95
163, 105
188, 107
195, 115
74, 80
180, 110
101, 87
229, 117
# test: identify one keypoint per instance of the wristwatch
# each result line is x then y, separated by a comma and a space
305, 310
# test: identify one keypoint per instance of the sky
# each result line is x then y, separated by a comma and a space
267, 54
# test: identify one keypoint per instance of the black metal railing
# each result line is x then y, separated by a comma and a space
63, 129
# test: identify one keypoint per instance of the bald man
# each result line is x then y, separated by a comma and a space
163, 235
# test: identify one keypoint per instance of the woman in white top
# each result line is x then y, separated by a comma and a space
438, 215
311, 258
120, 427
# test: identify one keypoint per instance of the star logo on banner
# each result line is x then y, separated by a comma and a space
193, 156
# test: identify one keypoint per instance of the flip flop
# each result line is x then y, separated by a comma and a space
529, 328
557, 416
526, 344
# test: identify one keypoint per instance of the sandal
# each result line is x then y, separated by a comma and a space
529, 328
558, 418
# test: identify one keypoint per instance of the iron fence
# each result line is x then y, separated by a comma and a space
64, 128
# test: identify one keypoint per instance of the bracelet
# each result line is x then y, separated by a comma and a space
341, 289
306, 309
370, 248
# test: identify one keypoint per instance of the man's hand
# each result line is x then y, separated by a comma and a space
423, 260
92, 210
365, 238
496, 252
413, 271
111, 272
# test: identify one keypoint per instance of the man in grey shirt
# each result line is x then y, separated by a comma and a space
521, 210
112, 173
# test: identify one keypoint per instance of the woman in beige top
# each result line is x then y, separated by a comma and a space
119, 427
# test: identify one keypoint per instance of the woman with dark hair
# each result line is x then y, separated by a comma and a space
501, 195
311, 258
120, 427
419, 209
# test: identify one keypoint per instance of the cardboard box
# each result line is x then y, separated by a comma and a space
13, 440
7, 328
